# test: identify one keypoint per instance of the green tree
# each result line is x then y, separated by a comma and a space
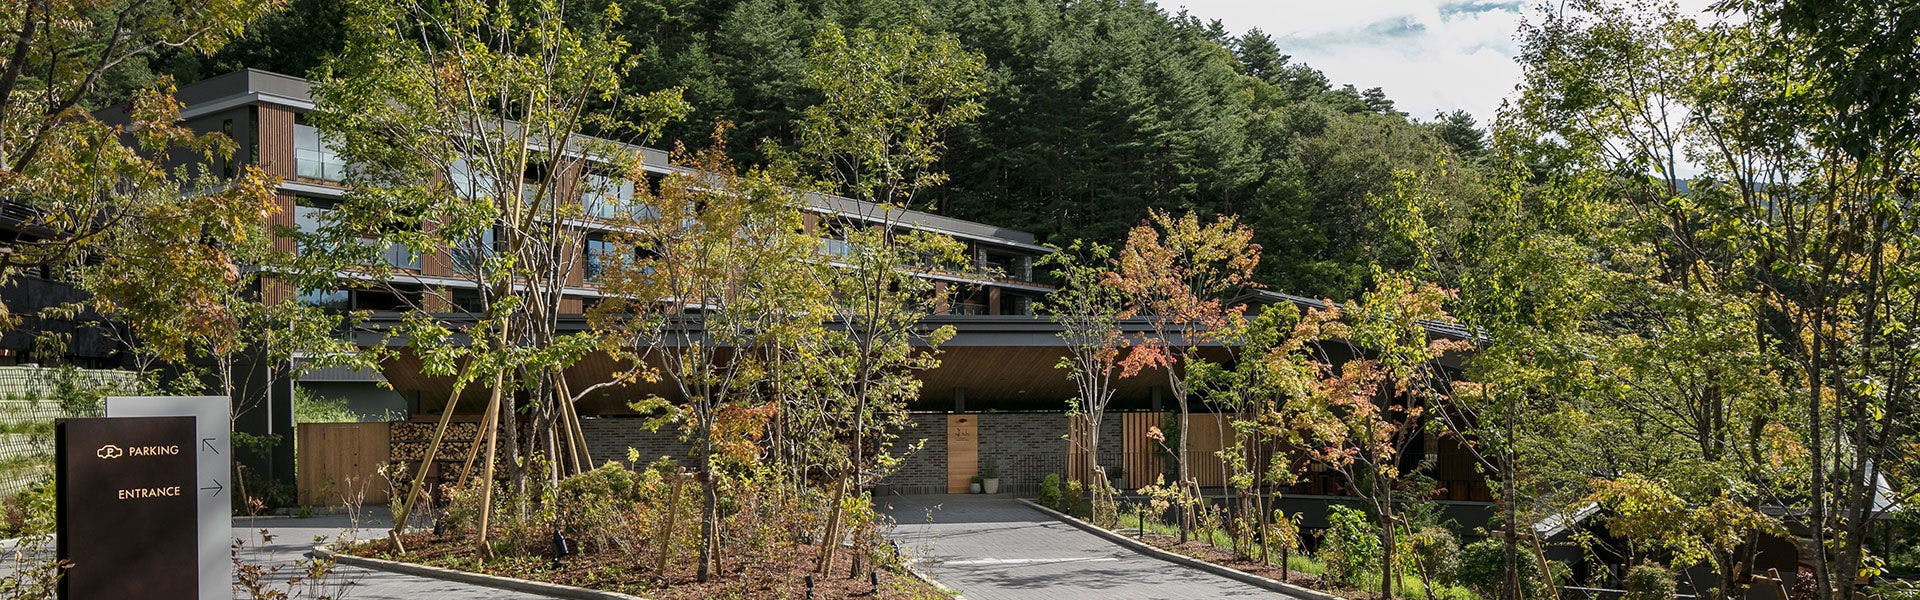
888, 98
727, 253
462, 125
1087, 307
1795, 227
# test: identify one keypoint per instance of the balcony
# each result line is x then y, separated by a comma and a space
309, 219
314, 156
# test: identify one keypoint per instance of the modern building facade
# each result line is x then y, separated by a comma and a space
996, 398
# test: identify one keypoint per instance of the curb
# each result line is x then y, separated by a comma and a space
914, 570
553, 590
1184, 560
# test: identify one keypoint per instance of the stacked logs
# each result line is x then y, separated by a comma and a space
409, 445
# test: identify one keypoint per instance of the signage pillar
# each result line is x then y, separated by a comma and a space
213, 455
126, 508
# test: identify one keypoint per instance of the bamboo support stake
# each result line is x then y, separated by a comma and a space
487, 423
666, 531
486, 469
570, 424
1545, 572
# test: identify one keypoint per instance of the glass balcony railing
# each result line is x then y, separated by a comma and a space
309, 219
314, 156
834, 247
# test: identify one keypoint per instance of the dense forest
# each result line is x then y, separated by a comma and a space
1095, 112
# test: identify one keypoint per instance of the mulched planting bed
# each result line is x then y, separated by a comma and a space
1207, 552
764, 574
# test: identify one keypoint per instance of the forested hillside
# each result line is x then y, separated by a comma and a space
1095, 111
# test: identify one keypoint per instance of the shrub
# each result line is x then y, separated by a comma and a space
462, 510
1433, 550
1648, 581
1071, 499
593, 506
30, 511
1050, 491
1351, 547
1895, 590
1482, 568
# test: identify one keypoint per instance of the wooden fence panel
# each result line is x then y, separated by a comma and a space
1207, 434
339, 462
1140, 455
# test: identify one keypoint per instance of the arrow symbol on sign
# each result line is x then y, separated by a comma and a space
216, 487
208, 442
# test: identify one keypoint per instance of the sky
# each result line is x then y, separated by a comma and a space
1429, 55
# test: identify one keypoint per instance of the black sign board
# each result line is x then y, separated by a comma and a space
127, 508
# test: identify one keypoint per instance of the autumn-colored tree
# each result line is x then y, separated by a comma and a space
126, 199
1178, 274
1374, 393
461, 126
1265, 389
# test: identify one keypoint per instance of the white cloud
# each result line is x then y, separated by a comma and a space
1429, 55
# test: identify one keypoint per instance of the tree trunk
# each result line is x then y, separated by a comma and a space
1186, 504
1512, 537
830, 537
1387, 528
709, 508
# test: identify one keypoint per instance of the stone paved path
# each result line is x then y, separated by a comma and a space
294, 537
993, 548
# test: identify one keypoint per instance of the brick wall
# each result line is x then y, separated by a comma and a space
608, 438
1028, 446
923, 471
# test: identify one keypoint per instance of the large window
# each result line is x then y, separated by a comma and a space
604, 196
471, 183
600, 256
314, 156
330, 299
310, 214
1009, 266
468, 257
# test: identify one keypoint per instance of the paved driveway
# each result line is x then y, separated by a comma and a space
292, 538
993, 548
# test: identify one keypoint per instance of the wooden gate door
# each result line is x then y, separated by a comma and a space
963, 451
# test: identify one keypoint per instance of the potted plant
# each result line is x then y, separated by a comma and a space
974, 485
990, 476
